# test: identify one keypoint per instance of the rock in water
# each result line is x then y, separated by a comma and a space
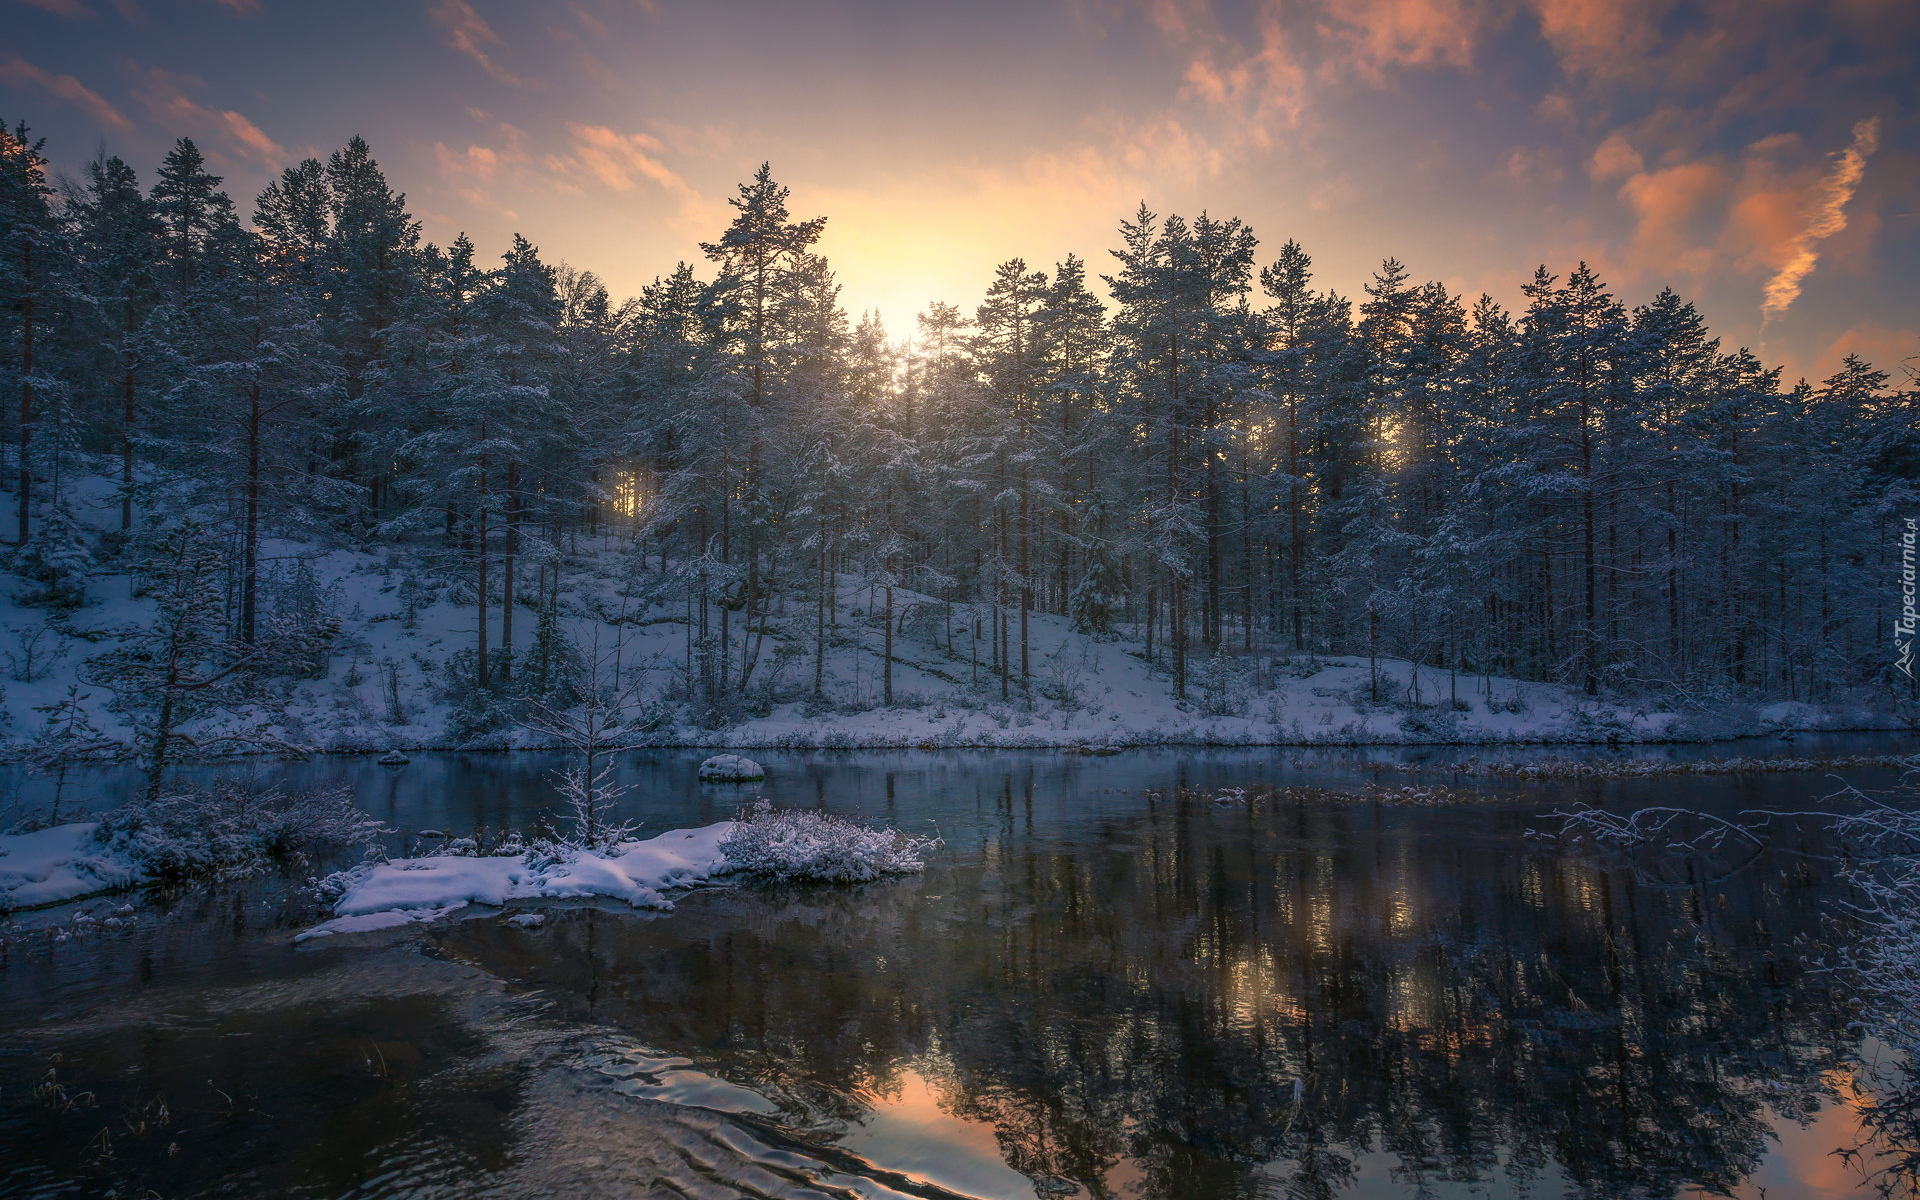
730, 768
393, 758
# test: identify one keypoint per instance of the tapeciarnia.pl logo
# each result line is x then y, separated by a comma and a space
1903, 626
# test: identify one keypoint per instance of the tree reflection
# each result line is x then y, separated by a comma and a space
1237, 1001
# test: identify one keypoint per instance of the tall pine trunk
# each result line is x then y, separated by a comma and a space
250, 547
26, 391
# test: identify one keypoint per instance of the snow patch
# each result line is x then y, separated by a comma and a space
367, 922
61, 863
634, 871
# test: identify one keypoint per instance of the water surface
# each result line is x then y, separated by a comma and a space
1107, 983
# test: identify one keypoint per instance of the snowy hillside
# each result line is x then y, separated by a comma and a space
392, 676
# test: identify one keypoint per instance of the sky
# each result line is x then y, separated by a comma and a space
1757, 156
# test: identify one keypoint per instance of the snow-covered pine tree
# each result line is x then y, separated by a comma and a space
32, 245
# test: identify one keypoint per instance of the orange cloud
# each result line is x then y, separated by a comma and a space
1825, 216
479, 162
165, 97
1666, 204
1602, 36
20, 73
1614, 157
616, 158
1380, 33
1885, 348
1256, 86
621, 162
469, 33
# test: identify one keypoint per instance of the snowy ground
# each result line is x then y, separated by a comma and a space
386, 684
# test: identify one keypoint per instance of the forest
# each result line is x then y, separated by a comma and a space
1191, 445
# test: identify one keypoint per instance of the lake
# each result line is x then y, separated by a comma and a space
1112, 980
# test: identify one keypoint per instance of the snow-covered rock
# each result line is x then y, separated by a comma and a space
730, 768
61, 863
393, 758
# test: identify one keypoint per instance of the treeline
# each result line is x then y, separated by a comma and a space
1222, 459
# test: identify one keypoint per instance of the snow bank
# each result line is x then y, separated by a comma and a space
730, 768
768, 843
61, 863
427, 888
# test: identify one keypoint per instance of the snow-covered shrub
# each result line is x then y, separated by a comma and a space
1432, 723
57, 557
231, 829
1598, 723
794, 845
1513, 702
1223, 687
730, 768
306, 613
589, 799
1061, 673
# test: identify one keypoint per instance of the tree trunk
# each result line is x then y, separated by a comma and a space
250, 546
820, 624
480, 602
126, 451
26, 392
506, 570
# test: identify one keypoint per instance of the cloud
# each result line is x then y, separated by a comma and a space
1614, 157
20, 73
165, 96
1825, 216
241, 8
1260, 72
1381, 33
1600, 36
1887, 349
1255, 85
614, 159
70, 9
478, 162
1666, 203
622, 162
469, 33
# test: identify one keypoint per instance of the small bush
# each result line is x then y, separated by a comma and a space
232, 829
795, 845
1222, 685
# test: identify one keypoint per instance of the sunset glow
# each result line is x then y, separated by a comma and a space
1710, 146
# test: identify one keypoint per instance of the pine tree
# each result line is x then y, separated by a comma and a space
67, 738
30, 249
117, 237
764, 264
194, 215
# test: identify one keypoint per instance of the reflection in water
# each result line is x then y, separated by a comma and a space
1094, 990
1139, 1003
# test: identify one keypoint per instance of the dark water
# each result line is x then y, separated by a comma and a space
1102, 985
